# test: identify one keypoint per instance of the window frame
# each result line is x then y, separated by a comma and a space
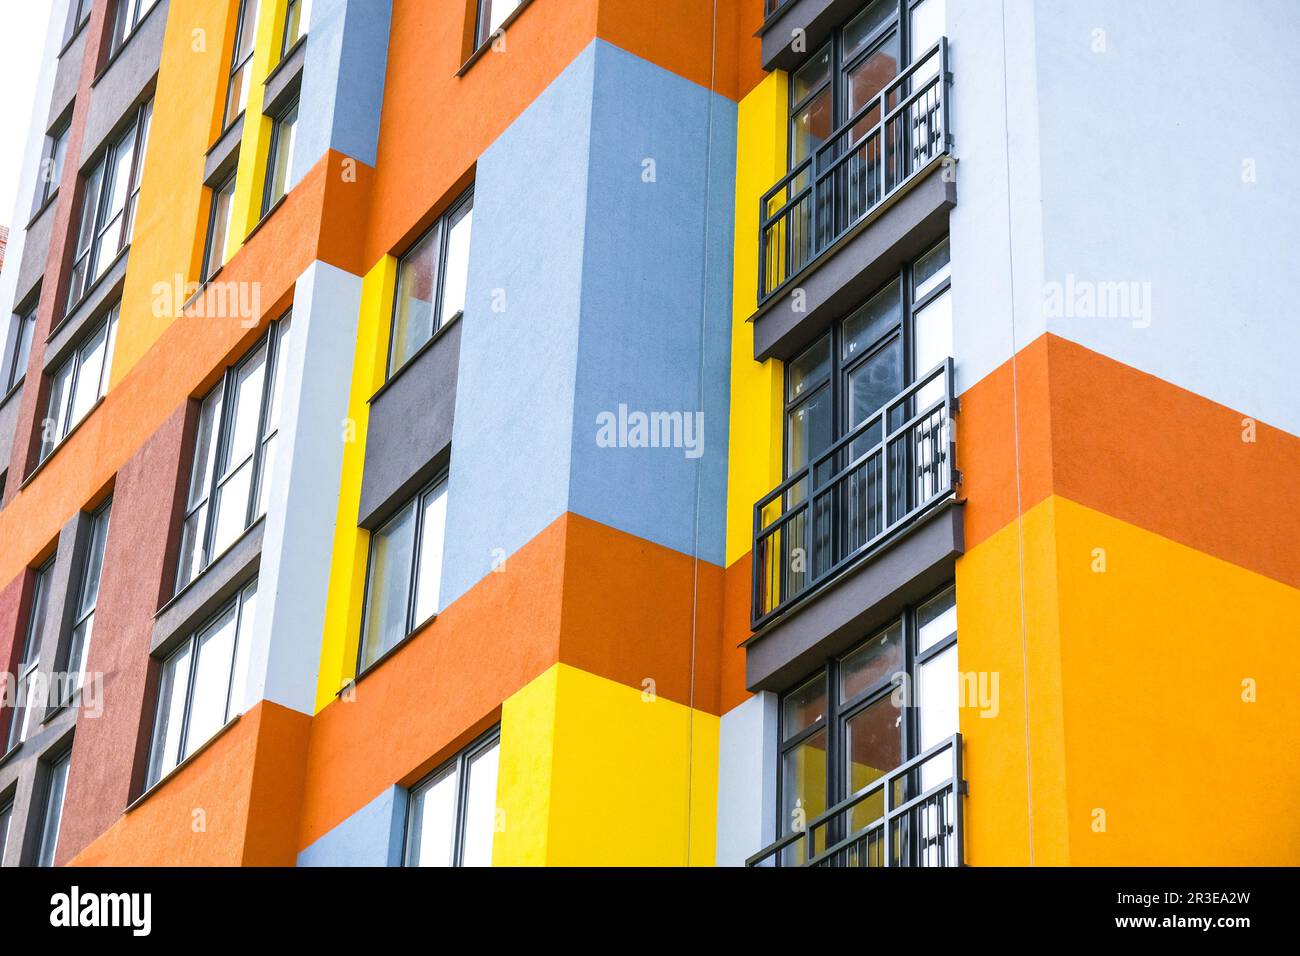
462, 203
76, 359
439, 484
461, 763
839, 713
53, 151
104, 183
123, 31
483, 18
303, 8
190, 645
275, 339
279, 123
22, 330
910, 306
217, 191
78, 14
6, 823
57, 766
102, 514
30, 661
238, 63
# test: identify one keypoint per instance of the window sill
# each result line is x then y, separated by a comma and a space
14, 390
216, 559
41, 210
267, 215
9, 754
374, 665
287, 55
486, 45
72, 38
126, 42
189, 759
87, 294
61, 442
410, 361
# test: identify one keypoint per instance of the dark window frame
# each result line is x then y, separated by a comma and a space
31, 655
238, 63
839, 713
461, 762
48, 187
101, 174
62, 758
842, 368
482, 19
442, 482
302, 7
108, 322
190, 644
78, 15
463, 202
122, 31
279, 123
274, 339
22, 329
209, 269
65, 657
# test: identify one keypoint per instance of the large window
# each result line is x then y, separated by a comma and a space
234, 452
296, 16
56, 787
402, 584
22, 326
431, 280
108, 206
279, 163
128, 17
50, 173
862, 715
201, 686
491, 14
451, 816
219, 213
87, 597
25, 701
241, 63
80, 382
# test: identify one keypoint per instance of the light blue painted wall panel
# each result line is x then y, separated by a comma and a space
370, 837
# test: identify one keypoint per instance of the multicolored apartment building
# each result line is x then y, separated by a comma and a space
597, 432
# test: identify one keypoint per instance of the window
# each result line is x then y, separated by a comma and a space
56, 785
241, 64
405, 571
80, 382
6, 814
78, 14
431, 281
87, 596
491, 14
296, 16
129, 15
51, 171
233, 453
862, 362
108, 206
840, 80
223, 204
201, 687
889, 699
451, 814
21, 329
279, 164
25, 701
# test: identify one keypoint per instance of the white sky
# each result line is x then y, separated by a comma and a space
22, 40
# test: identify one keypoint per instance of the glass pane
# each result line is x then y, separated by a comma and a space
231, 509
872, 664
267, 473
236, 94
212, 680
387, 593
296, 20
429, 571
874, 383
205, 447
222, 207
86, 391
416, 286
23, 349
927, 28
173, 684
21, 720
882, 314
94, 564
933, 344
247, 30
811, 75
456, 273
55, 425
243, 638
278, 375
866, 24
282, 152
493, 13
804, 706
36, 620
433, 821
867, 78
78, 652
810, 127
803, 793
89, 208
56, 786
481, 809
938, 695
809, 370
873, 745
193, 557
931, 270
5, 813
936, 620
247, 410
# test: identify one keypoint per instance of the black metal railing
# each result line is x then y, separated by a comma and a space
879, 477
877, 152
909, 816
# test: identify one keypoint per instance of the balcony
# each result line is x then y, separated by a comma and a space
880, 825
870, 486
863, 168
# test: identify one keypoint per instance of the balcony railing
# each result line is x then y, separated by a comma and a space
910, 816
880, 477
875, 154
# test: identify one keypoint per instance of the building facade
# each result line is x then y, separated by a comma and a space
590, 432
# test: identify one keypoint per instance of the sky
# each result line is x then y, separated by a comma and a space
22, 40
